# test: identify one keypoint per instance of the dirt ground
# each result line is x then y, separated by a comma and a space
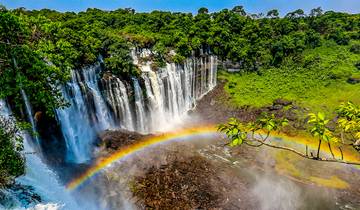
203, 174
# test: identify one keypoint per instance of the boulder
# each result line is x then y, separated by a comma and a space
114, 140
282, 102
354, 80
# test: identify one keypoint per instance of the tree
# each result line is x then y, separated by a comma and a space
12, 162
319, 130
355, 48
203, 10
117, 58
316, 12
27, 68
239, 10
295, 14
273, 13
339, 36
256, 134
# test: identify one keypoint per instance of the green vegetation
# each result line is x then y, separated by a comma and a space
318, 81
12, 162
256, 134
306, 58
39, 47
22, 68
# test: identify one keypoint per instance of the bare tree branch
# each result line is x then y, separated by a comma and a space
301, 154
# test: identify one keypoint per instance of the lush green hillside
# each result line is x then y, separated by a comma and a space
31, 40
318, 80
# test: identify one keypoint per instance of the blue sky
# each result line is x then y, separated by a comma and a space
253, 6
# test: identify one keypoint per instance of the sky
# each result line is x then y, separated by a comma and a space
252, 6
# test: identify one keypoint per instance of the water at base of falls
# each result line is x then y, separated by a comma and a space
155, 102
38, 175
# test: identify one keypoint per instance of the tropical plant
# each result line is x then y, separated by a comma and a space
252, 133
320, 130
349, 123
257, 133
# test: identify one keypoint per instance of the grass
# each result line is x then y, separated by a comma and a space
318, 82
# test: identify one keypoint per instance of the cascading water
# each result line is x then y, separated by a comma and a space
30, 116
87, 114
139, 107
75, 123
103, 117
118, 98
155, 102
38, 175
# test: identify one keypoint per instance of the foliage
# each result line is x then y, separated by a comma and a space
355, 48
11, 160
349, 122
252, 133
47, 43
322, 73
22, 68
240, 133
117, 57
320, 130
74, 40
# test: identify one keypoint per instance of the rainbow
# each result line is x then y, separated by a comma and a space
131, 149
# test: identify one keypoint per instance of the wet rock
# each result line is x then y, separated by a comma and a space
113, 140
282, 102
354, 80
38, 116
275, 107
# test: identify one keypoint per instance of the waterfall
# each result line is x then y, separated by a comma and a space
117, 97
75, 123
139, 107
38, 175
103, 117
156, 101
86, 115
30, 116
44, 180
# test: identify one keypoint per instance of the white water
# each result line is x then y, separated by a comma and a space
139, 108
38, 175
117, 97
75, 123
87, 115
30, 116
157, 101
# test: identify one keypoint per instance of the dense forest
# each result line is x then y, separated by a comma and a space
43, 45
38, 48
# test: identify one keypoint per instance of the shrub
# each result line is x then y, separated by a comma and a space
357, 65
12, 163
355, 48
